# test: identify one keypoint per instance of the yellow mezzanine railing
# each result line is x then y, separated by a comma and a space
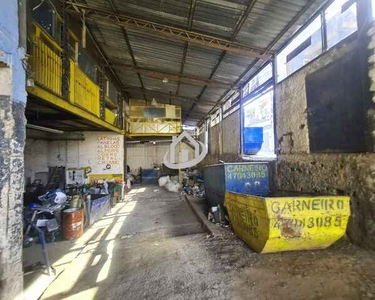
138, 108
154, 128
46, 70
46, 62
83, 91
141, 123
110, 116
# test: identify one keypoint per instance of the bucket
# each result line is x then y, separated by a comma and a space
76, 202
253, 140
72, 223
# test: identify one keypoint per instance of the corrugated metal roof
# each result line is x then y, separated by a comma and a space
190, 90
212, 93
217, 18
171, 12
200, 61
264, 24
155, 53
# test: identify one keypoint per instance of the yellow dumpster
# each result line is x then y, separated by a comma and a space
275, 224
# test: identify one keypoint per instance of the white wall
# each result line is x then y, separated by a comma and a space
36, 158
96, 151
146, 155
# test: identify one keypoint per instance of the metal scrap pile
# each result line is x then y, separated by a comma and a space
217, 215
193, 183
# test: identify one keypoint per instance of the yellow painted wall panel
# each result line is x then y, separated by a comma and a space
46, 66
83, 91
110, 117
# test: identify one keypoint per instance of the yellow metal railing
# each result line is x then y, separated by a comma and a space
46, 62
110, 116
140, 123
136, 110
154, 128
83, 91
46, 68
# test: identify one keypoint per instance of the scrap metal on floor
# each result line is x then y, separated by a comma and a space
153, 247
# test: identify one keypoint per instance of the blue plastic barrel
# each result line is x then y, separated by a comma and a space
253, 140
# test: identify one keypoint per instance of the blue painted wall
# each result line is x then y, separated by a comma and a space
10, 52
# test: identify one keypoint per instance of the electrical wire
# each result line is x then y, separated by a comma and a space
50, 3
39, 5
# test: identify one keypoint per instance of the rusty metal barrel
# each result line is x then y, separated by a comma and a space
72, 223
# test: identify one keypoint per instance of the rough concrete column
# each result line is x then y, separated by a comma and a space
371, 60
12, 139
12, 136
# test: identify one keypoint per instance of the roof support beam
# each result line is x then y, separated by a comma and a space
190, 25
126, 38
167, 95
236, 30
279, 36
98, 48
170, 76
168, 32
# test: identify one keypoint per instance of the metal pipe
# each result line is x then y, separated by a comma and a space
150, 142
37, 138
83, 29
46, 129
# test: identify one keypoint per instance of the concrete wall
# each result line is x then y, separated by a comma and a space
12, 139
224, 141
97, 150
371, 108
42, 154
36, 158
299, 170
146, 155
232, 134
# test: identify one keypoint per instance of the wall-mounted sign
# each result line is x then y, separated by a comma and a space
108, 151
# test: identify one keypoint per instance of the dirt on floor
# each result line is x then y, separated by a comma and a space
153, 247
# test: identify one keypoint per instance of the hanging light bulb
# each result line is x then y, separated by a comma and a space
165, 80
153, 102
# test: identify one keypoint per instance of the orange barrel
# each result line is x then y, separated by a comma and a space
72, 223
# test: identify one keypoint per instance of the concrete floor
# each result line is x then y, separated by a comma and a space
61, 254
138, 233
153, 247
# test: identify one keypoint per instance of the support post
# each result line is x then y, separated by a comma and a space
64, 43
120, 112
365, 22
12, 143
102, 86
124, 98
